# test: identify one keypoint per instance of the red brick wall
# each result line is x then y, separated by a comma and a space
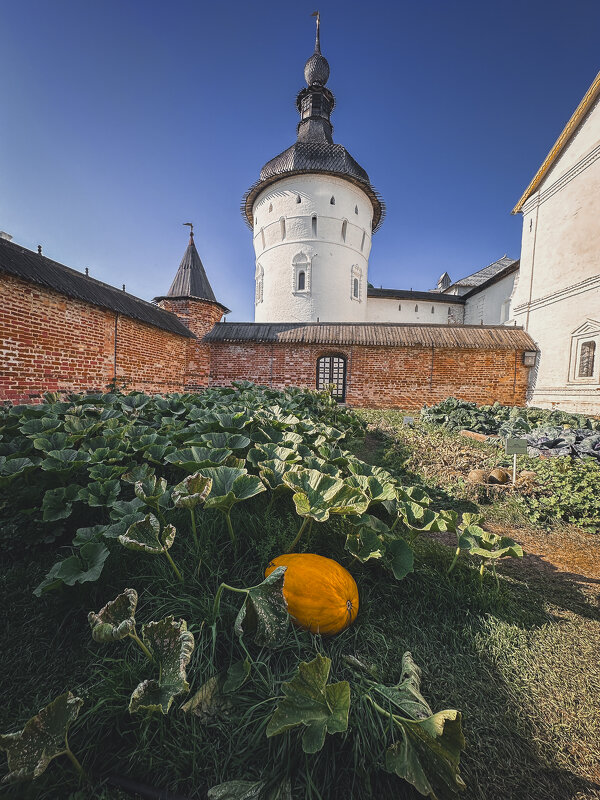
199, 316
381, 377
49, 342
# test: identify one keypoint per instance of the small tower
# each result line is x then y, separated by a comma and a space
312, 213
192, 299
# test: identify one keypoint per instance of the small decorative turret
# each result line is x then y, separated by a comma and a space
192, 299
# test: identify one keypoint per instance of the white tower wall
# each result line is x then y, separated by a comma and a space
285, 244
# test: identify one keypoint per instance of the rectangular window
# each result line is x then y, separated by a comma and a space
586, 359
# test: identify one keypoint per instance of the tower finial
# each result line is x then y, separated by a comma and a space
318, 37
191, 226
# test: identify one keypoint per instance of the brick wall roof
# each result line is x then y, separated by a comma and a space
479, 337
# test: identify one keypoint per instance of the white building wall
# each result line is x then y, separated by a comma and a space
384, 309
559, 284
492, 304
285, 243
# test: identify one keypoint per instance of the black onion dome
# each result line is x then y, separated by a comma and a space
314, 150
316, 70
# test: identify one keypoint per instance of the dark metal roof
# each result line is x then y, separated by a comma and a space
484, 275
402, 294
190, 280
479, 337
29, 266
502, 273
314, 151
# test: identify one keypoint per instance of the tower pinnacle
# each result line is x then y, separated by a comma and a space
316, 69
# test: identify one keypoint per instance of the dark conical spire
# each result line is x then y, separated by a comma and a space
191, 280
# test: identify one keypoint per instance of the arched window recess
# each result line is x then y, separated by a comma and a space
331, 375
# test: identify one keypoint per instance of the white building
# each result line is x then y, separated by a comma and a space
557, 297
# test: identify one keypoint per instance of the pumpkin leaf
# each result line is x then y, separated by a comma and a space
376, 490
192, 491
116, 620
478, 542
401, 558
171, 645
42, 426
419, 518
364, 544
371, 522
99, 494
42, 739
250, 790
145, 536
264, 612
193, 458
85, 535
64, 460
237, 675
150, 490
230, 485
272, 472
105, 472
84, 568
229, 441
58, 503
269, 451
237, 790
309, 701
406, 694
138, 473
427, 755
314, 462
209, 703
317, 495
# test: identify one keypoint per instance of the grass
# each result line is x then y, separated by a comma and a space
520, 663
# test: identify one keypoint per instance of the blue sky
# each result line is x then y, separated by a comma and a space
122, 120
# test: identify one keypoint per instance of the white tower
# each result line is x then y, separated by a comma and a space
312, 212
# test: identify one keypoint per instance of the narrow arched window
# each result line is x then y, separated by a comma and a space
586, 359
355, 287
344, 229
433, 309
301, 281
270, 207
362, 244
356, 209
399, 307
314, 226
449, 311
256, 220
298, 198
332, 201
282, 226
262, 236
416, 308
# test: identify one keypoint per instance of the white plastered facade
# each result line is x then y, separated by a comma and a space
557, 297
491, 305
387, 309
312, 239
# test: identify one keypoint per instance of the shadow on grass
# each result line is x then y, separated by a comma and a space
464, 637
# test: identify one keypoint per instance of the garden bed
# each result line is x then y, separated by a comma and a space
516, 658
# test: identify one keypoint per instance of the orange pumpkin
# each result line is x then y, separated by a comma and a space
321, 595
